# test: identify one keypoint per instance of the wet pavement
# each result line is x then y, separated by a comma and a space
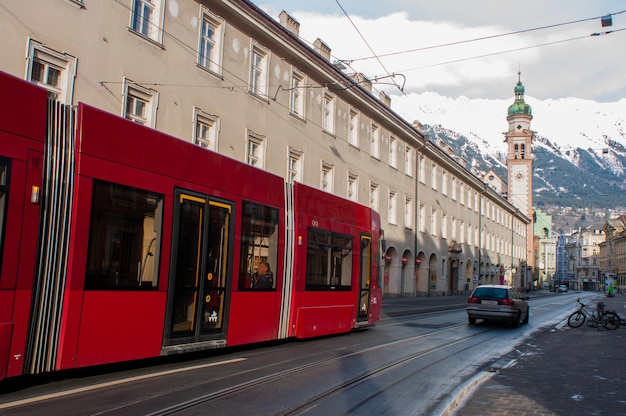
559, 371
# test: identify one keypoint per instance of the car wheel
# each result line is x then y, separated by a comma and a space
471, 320
527, 318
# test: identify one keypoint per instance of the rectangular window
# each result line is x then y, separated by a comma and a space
444, 225
422, 168
408, 213
297, 96
255, 149
328, 123
259, 247
52, 70
433, 176
259, 64
375, 142
210, 42
353, 133
294, 169
422, 217
453, 188
124, 238
374, 196
353, 186
444, 182
328, 261
206, 127
146, 19
409, 153
327, 177
433, 222
140, 104
393, 158
393, 207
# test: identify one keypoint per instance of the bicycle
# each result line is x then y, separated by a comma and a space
606, 319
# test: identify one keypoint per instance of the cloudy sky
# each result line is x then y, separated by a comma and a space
407, 38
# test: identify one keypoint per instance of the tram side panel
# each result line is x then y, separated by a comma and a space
22, 134
185, 304
327, 263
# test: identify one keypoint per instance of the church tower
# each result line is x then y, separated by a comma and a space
519, 159
519, 162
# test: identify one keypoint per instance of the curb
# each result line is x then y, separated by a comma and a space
462, 393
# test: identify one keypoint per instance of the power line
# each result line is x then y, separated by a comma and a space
369, 47
481, 38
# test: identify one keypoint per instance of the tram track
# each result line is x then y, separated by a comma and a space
303, 407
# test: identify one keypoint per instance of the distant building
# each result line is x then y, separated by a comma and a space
612, 257
544, 250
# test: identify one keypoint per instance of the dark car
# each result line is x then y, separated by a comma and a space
498, 303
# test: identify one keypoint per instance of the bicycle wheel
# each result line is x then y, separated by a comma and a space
576, 319
611, 320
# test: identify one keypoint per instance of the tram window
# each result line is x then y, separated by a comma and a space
124, 236
328, 261
4, 189
259, 243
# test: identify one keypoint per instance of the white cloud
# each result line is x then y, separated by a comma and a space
590, 67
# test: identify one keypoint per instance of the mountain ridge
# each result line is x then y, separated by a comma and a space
579, 148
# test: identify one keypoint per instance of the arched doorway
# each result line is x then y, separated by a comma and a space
454, 277
391, 276
406, 273
432, 274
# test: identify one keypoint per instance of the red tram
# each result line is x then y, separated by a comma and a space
119, 242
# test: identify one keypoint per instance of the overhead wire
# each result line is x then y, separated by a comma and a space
484, 38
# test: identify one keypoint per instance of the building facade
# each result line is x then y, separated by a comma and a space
228, 77
544, 251
612, 257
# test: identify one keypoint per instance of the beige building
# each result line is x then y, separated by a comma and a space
612, 256
226, 76
583, 252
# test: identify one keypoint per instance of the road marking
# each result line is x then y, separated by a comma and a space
113, 383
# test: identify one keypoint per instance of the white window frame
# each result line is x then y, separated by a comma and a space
409, 157
408, 212
353, 187
422, 168
294, 165
151, 27
374, 194
444, 182
259, 71
375, 141
353, 128
206, 129
422, 217
433, 222
444, 225
214, 42
48, 59
255, 149
135, 93
392, 207
327, 177
297, 96
433, 176
328, 113
393, 152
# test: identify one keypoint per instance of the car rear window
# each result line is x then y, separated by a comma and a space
490, 293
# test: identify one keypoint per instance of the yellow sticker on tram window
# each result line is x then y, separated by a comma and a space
207, 299
209, 276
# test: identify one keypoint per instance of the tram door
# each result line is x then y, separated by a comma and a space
365, 278
200, 262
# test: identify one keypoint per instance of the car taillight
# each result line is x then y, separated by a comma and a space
472, 300
506, 302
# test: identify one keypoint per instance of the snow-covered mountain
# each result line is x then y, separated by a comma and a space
579, 146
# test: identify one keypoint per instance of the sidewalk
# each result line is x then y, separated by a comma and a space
562, 371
